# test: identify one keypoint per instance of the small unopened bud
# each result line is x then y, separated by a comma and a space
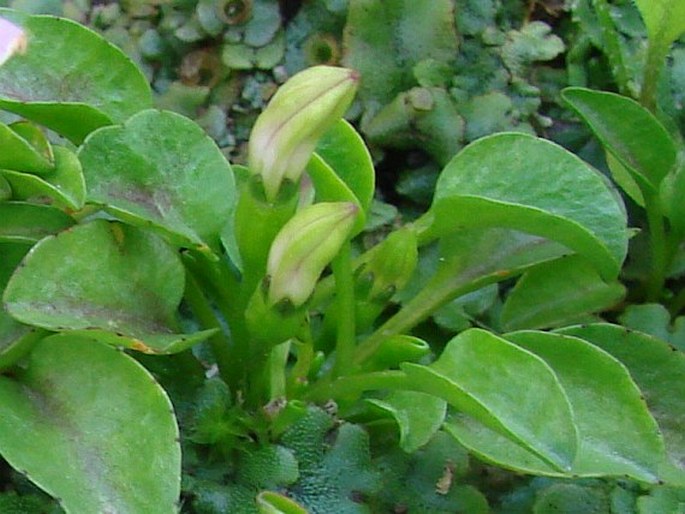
286, 133
306, 244
389, 265
12, 40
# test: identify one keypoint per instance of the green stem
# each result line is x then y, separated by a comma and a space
354, 385
659, 246
219, 282
204, 313
344, 310
437, 292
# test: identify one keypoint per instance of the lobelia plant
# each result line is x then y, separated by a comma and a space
127, 239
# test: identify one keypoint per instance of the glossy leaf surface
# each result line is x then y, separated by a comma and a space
418, 416
508, 389
61, 286
629, 131
659, 370
160, 169
64, 185
103, 437
27, 223
521, 182
556, 293
603, 396
70, 79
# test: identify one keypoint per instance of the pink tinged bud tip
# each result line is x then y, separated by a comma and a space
12, 40
286, 133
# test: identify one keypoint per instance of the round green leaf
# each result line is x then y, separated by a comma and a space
102, 275
27, 223
64, 185
160, 169
658, 369
70, 79
510, 390
19, 154
532, 185
629, 131
90, 426
418, 416
556, 293
617, 434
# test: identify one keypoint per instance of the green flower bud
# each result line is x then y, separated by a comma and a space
389, 265
286, 133
306, 244
12, 40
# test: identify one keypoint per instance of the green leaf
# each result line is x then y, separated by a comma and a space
28, 223
16, 339
270, 502
617, 434
567, 498
556, 293
19, 154
629, 131
521, 182
330, 188
61, 287
64, 185
5, 189
654, 319
672, 194
70, 79
665, 19
343, 149
418, 416
331, 474
659, 371
660, 500
103, 437
430, 480
493, 447
505, 387
160, 169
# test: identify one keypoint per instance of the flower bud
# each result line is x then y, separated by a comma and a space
306, 244
286, 133
12, 40
389, 265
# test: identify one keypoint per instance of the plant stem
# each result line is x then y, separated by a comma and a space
344, 311
354, 385
202, 309
437, 292
217, 280
658, 244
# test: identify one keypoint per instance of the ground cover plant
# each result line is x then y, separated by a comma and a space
181, 333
